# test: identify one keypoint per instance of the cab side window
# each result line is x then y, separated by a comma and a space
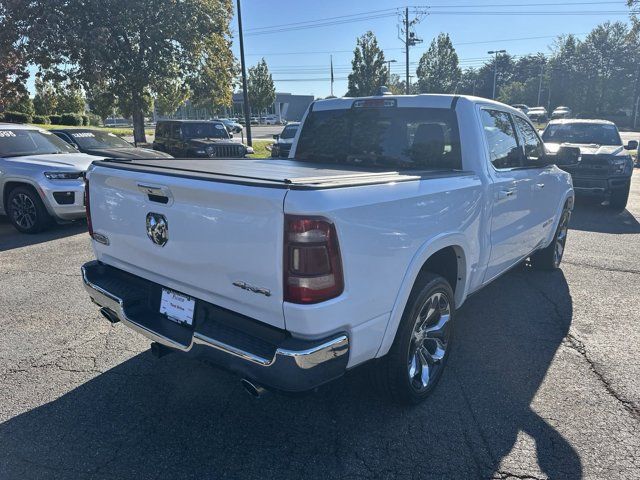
533, 146
176, 131
499, 131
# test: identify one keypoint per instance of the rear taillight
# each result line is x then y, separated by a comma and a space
87, 205
312, 264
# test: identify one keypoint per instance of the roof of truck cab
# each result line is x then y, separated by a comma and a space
427, 100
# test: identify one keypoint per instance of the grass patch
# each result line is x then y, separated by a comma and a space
120, 131
260, 149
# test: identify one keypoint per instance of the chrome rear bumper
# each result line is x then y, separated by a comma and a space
289, 365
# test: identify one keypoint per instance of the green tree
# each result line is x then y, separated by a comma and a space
137, 48
468, 82
45, 100
101, 101
70, 99
22, 104
172, 96
13, 59
438, 70
260, 87
484, 86
369, 71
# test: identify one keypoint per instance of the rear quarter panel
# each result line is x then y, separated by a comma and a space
385, 233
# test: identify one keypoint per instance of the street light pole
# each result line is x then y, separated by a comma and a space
245, 94
540, 85
389, 62
495, 69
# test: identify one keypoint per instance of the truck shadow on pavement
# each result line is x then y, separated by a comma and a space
178, 418
589, 215
10, 238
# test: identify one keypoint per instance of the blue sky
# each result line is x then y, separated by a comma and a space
299, 59
443, 16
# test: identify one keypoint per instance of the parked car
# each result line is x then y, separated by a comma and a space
537, 114
561, 112
255, 120
284, 140
606, 167
41, 178
197, 139
357, 249
522, 107
104, 144
232, 125
270, 120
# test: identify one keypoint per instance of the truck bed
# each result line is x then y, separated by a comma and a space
286, 174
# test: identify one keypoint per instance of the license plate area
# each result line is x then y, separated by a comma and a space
177, 307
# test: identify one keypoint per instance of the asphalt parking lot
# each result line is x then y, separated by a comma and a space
543, 382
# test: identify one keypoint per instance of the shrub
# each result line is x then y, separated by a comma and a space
94, 120
55, 119
73, 119
42, 119
85, 120
17, 117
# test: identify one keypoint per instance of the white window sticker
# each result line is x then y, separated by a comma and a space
219, 127
7, 133
83, 135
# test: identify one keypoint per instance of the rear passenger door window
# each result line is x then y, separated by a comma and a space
533, 147
502, 141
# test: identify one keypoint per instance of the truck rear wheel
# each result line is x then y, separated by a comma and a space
414, 364
549, 258
619, 198
26, 211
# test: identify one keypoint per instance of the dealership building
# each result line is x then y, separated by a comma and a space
287, 106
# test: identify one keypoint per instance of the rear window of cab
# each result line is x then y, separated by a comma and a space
385, 137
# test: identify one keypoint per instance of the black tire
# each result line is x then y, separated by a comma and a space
392, 374
26, 211
549, 258
619, 198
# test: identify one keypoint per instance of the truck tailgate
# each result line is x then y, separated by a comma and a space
218, 234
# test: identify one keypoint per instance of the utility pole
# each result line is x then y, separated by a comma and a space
495, 69
389, 62
540, 85
245, 93
406, 47
409, 40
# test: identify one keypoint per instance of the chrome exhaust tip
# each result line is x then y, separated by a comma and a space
109, 315
256, 391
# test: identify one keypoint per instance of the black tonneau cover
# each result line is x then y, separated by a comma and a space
289, 174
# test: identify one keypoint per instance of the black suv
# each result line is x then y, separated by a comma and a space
606, 166
197, 138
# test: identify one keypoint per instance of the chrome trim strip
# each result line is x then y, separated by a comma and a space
303, 359
213, 343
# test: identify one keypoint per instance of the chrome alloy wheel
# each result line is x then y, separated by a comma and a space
561, 238
429, 341
24, 211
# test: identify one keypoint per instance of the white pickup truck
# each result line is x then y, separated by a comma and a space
360, 247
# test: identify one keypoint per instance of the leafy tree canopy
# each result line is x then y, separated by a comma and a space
13, 60
438, 70
136, 49
369, 71
260, 87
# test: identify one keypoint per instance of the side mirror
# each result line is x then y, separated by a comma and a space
276, 136
566, 156
230, 134
632, 145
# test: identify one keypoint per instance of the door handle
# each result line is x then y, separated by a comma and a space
538, 186
502, 194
